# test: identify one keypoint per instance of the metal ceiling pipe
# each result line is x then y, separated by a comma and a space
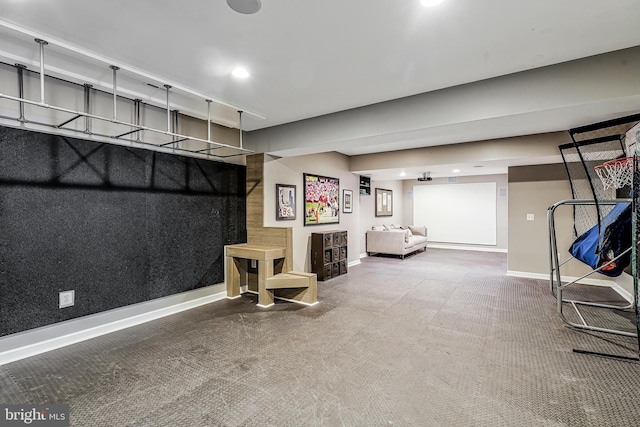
168, 109
115, 91
136, 105
241, 151
209, 149
175, 129
87, 108
136, 123
42, 44
240, 124
208, 119
20, 69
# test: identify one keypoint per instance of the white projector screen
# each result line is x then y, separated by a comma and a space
457, 213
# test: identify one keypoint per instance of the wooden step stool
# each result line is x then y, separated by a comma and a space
296, 286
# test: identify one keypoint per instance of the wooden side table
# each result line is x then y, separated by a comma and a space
237, 271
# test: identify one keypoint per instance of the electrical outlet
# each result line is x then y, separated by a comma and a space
530, 217
67, 298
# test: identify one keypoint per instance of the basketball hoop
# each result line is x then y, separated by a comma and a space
616, 173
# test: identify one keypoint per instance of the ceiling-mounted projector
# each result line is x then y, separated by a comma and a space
426, 176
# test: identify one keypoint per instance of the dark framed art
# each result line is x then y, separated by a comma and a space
285, 202
321, 200
347, 201
384, 202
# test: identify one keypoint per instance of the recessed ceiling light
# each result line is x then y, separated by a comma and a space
455, 170
245, 6
403, 174
240, 73
430, 3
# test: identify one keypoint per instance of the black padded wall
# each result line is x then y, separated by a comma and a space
117, 225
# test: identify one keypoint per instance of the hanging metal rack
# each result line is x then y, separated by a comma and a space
209, 149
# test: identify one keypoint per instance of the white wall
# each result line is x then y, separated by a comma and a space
461, 213
368, 216
290, 170
502, 205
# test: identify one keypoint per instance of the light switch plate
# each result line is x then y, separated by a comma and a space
530, 217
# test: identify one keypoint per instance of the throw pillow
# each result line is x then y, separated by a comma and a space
420, 231
377, 228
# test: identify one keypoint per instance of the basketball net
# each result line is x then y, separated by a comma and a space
616, 173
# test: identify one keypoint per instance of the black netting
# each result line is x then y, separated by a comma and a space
635, 268
580, 159
605, 129
616, 129
592, 146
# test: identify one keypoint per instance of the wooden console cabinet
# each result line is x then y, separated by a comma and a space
329, 257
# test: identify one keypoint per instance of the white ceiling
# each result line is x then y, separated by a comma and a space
310, 58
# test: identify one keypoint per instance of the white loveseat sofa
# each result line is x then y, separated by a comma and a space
394, 240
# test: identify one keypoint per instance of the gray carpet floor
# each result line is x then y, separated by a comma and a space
442, 338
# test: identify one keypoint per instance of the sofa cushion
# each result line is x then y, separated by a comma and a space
421, 231
414, 240
378, 228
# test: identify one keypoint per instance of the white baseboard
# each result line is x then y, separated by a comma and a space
586, 281
624, 286
363, 255
40, 340
545, 276
356, 262
465, 248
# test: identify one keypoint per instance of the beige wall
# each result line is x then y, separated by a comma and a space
532, 190
290, 170
368, 216
502, 206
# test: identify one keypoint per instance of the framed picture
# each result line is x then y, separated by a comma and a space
384, 202
285, 202
347, 201
321, 200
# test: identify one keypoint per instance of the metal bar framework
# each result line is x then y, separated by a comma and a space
68, 121
115, 91
240, 124
87, 108
137, 106
42, 44
20, 69
167, 87
136, 127
556, 286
